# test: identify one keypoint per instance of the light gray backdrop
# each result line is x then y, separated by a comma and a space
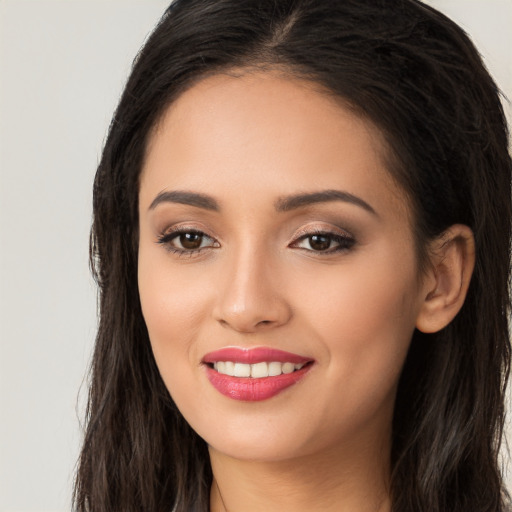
62, 68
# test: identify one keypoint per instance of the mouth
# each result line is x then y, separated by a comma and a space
254, 374
257, 370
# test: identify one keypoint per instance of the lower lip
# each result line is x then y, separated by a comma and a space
248, 389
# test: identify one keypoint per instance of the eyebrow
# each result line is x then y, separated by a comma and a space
285, 204
183, 197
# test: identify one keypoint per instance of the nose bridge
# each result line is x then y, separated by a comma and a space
249, 298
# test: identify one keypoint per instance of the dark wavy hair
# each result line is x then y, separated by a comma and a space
416, 75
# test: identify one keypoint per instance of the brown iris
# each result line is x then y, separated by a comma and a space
320, 242
191, 240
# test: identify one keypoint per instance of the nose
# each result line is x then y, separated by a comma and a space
251, 297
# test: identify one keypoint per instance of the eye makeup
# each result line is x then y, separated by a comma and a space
323, 241
190, 241
186, 241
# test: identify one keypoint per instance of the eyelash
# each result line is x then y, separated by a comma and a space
345, 241
166, 239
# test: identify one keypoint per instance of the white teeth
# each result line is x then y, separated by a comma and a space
288, 367
274, 369
242, 370
257, 370
229, 368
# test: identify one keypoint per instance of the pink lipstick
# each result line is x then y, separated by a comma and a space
254, 374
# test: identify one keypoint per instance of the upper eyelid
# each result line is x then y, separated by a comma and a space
170, 232
331, 234
166, 238
302, 232
330, 230
174, 234
185, 228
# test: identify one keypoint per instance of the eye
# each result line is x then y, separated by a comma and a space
186, 241
324, 242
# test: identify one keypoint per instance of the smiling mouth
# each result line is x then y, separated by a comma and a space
257, 370
254, 374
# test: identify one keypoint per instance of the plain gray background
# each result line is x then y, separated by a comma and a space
62, 67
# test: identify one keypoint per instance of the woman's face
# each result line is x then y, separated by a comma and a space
277, 269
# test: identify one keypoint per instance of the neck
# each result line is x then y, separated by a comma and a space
341, 481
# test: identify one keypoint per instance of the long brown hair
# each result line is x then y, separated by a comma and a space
416, 75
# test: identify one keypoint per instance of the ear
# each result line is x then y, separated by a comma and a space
452, 259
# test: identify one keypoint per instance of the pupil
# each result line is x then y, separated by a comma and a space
191, 240
319, 242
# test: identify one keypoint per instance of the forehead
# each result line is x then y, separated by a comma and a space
239, 133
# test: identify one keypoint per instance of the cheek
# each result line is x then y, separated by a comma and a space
365, 315
174, 308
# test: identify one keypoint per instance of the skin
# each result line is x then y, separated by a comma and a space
247, 142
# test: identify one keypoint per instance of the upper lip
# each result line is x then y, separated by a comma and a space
254, 355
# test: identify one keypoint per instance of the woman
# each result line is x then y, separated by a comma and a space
301, 237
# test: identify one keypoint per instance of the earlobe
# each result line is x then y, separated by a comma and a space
452, 259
